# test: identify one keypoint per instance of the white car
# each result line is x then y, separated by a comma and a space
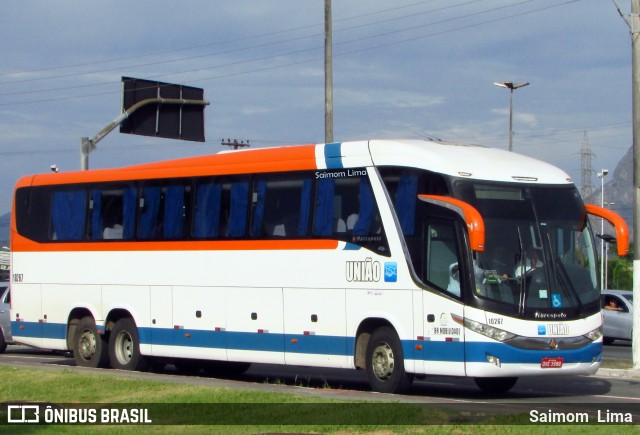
617, 313
5, 319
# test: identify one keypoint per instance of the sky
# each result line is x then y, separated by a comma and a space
404, 69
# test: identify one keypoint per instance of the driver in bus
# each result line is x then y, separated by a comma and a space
530, 261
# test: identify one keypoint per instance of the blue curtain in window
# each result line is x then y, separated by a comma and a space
129, 212
173, 212
68, 213
96, 215
239, 207
206, 218
366, 210
406, 198
258, 212
323, 222
148, 216
305, 207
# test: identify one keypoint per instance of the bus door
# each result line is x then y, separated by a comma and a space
442, 268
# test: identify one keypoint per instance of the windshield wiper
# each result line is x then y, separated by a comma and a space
562, 275
522, 297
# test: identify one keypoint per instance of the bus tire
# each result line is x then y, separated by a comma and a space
124, 347
495, 385
89, 347
385, 363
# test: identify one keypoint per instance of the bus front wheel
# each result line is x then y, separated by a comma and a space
89, 348
124, 347
385, 362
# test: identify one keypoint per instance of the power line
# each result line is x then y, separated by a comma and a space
225, 43
298, 51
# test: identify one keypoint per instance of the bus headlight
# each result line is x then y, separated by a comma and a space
595, 334
484, 329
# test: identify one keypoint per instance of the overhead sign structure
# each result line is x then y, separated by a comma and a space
172, 121
151, 108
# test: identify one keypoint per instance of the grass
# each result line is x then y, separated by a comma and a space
616, 363
71, 387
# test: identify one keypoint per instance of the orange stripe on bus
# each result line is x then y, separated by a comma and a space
21, 244
264, 160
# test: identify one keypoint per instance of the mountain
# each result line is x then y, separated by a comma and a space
618, 192
4, 229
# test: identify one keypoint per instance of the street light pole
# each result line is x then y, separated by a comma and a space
601, 176
512, 87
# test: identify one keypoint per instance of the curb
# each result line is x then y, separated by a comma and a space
619, 373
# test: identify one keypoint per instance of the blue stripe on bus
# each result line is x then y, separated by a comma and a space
333, 155
274, 342
39, 330
450, 351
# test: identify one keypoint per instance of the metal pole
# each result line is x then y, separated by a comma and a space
512, 87
328, 74
87, 145
511, 120
635, 62
602, 242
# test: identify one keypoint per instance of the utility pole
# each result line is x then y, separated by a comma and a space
634, 23
587, 171
235, 144
328, 74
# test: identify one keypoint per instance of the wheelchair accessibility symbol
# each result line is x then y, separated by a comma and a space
556, 300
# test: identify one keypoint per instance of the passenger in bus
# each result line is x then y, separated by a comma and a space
114, 232
530, 261
113, 223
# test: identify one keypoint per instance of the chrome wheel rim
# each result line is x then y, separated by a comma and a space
87, 345
383, 361
124, 347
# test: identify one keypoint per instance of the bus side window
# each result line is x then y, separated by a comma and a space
280, 206
149, 221
346, 209
68, 215
113, 213
175, 211
238, 208
442, 262
207, 207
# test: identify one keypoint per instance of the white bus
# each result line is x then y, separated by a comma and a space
400, 258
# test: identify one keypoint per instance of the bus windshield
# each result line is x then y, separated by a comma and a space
539, 259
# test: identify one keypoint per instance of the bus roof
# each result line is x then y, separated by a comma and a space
459, 160
464, 160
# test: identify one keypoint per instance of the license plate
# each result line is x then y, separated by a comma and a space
551, 363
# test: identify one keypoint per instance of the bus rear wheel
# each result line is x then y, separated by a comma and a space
89, 348
495, 385
124, 347
385, 363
